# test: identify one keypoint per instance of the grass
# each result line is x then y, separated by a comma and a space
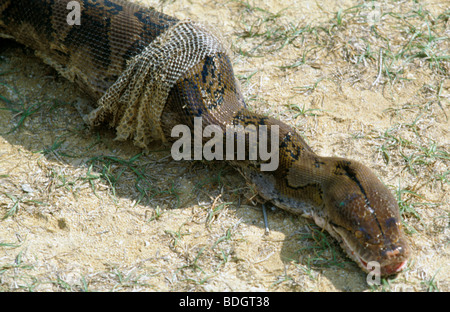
18, 108
323, 252
15, 204
415, 156
264, 29
402, 38
303, 111
431, 284
20, 272
23, 109
115, 170
14, 208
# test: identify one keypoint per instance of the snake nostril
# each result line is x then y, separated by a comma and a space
392, 253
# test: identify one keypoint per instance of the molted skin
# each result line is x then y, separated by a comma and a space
342, 196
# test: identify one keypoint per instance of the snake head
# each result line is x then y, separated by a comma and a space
363, 215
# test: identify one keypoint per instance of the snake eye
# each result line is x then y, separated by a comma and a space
359, 234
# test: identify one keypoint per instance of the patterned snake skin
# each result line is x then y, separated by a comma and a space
342, 196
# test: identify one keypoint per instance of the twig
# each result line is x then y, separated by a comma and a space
380, 64
266, 224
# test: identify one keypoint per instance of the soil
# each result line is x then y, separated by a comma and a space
82, 211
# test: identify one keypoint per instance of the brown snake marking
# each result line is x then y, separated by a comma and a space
342, 196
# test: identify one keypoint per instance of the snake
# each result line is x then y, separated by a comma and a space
342, 196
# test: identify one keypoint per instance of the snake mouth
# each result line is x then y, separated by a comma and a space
386, 270
388, 262
394, 268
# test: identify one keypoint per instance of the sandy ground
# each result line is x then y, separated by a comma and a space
81, 211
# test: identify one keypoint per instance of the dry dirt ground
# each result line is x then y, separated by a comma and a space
363, 80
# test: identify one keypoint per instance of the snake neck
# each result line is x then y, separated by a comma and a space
210, 93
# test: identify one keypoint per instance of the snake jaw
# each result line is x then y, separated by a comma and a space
390, 249
342, 237
391, 261
385, 270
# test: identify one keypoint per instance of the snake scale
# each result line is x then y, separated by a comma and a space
342, 196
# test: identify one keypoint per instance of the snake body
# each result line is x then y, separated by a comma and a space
342, 196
